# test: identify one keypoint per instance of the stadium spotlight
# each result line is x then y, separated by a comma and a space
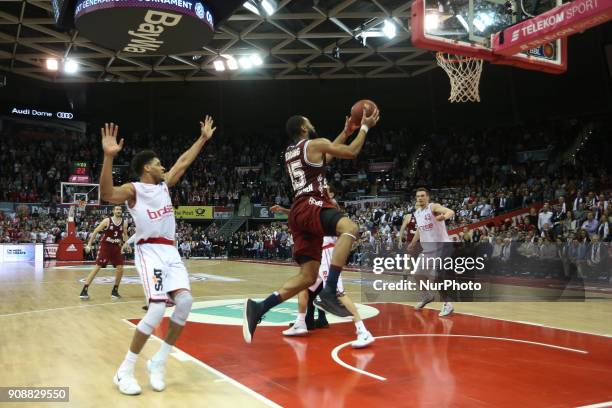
256, 60
219, 65
70, 66
245, 63
260, 7
389, 29
269, 6
52, 64
432, 21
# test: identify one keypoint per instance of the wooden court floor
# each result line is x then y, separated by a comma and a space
49, 337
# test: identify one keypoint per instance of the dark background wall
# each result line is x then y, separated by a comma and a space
508, 95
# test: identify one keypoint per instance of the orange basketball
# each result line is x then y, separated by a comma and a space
357, 110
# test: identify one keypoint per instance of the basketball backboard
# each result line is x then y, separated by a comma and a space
465, 27
80, 193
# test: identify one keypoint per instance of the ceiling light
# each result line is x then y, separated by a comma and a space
432, 21
389, 29
245, 63
256, 60
232, 64
251, 7
71, 67
219, 65
269, 6
52, 64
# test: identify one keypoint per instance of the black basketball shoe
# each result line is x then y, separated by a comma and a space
251, 317
328, 302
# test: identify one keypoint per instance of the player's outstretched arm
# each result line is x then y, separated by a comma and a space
443, 212
108, 192
279, 209
349, 129
176, 172
318, 147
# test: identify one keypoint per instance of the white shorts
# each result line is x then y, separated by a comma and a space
326, 257
161, 270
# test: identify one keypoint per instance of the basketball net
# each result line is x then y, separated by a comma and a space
464, 73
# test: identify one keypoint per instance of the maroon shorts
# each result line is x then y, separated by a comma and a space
109, 254
306, 228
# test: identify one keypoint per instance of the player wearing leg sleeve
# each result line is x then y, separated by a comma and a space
156, 257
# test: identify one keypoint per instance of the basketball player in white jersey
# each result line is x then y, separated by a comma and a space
114, 230
431, 233
157, 259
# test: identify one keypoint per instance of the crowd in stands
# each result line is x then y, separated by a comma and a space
478, 174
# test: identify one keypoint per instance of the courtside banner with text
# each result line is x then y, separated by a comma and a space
194, 212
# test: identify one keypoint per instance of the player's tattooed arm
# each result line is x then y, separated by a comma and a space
182, 164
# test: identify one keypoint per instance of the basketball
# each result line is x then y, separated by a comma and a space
357, 110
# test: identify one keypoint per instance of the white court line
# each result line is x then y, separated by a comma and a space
512, 321
600, 405
180, 355
118, 303
338, 360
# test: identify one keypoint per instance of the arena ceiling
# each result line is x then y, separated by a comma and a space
297, 42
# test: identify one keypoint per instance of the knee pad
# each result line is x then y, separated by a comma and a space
151, 320
183, 301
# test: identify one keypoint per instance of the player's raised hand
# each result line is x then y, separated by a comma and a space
206, 128
372, 120
349, 127
109, 140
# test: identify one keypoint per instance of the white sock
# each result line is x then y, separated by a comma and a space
360, 326
129, 362
301, 319
162, 354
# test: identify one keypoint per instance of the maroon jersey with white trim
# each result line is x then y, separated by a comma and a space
114, 233
307, 179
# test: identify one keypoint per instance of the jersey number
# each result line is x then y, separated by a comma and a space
298, 177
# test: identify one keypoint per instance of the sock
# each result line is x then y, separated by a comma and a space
321, 316
301, 319
271, 301
85, 287
116, 287
129, 362
360, 326
332, 277
162, 353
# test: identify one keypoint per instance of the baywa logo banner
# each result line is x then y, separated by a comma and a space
146, 27
503, 270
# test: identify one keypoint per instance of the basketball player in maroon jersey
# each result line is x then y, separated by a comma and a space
114, 235
313, 215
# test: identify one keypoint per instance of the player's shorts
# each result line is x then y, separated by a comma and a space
161, 270
326, 257
432, 258
307, 228
109, 254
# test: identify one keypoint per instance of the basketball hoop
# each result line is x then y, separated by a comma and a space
464, 73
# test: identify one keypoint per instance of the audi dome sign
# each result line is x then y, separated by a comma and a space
40, 113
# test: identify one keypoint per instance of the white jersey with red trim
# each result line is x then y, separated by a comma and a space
329, 241
430, 229
153, 213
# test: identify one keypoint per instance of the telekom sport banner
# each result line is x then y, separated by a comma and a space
563, 21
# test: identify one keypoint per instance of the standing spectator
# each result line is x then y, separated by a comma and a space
545, 217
